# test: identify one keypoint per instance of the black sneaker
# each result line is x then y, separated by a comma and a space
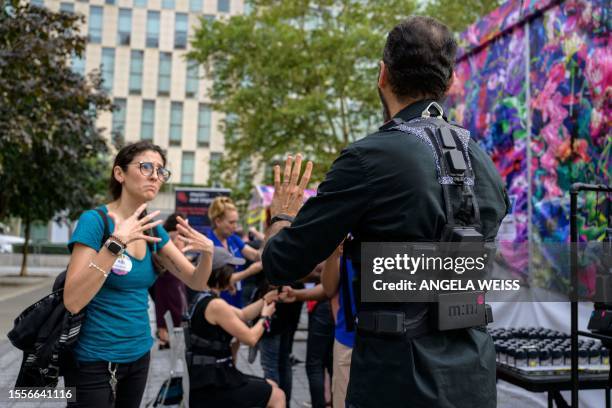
294, 360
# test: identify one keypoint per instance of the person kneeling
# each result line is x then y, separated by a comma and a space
213, 378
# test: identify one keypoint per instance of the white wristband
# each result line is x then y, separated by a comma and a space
93, 265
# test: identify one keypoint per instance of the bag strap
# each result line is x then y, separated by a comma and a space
151, 232
106, 232
346, 296
449, 148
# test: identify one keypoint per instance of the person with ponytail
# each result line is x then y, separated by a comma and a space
223, 216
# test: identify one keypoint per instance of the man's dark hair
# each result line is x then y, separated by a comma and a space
420, 56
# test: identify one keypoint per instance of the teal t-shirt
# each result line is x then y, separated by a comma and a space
116, 325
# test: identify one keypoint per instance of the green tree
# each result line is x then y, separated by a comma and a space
459, 15
296, 75
52, 156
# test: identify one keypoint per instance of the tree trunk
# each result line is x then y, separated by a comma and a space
24, 259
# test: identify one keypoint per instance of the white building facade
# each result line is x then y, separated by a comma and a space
140, 47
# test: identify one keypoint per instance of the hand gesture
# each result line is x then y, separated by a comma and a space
194, 241
268, 309
289, 196
271, 296
132, 229
287, 295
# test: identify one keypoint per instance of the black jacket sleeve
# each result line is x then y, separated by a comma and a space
341, 201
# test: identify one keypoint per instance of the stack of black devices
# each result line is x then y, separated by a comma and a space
537, 349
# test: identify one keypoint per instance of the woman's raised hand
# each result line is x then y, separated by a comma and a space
194, 241
132, 229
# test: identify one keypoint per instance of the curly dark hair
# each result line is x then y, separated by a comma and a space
420, 57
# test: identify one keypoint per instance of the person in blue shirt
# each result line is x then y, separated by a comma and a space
110, 279
337, 278
223, 216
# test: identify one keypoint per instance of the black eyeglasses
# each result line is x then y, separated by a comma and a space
147, 168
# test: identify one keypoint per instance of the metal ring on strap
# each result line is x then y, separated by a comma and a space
427, 114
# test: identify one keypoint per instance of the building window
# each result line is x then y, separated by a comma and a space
176, 123
124, 28
37, 3
215, 159
118, 127
147, 121
195, 6
180, 31
187, 166
165, 72
210, 17
108, 68
223, 6
135, 84
96, 14
203, 125
140, 3
111, 2
191, 84
67, 7
153, 29
78, 64
168, 4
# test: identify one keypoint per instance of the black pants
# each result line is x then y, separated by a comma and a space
93, 387
319, 350
275, 351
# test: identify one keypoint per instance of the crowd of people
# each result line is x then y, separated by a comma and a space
119, 251
237, 284
203, 281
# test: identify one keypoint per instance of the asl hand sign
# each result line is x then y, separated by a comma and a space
289, 196
193, 240
132, 228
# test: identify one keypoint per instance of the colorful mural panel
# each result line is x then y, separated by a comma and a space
489, 99
571, 85
534, 86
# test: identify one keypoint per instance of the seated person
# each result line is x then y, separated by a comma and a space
214, 380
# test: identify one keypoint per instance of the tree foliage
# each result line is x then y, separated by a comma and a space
458, 15
296, 75
52, 156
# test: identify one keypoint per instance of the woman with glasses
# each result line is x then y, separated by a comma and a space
110, 277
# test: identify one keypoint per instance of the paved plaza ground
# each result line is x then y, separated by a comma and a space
16, 295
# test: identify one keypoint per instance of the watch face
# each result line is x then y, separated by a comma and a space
114, 247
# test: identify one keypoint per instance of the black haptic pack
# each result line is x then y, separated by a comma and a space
452, 310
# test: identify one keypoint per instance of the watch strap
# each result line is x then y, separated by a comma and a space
114, 237
281, 217
108, 245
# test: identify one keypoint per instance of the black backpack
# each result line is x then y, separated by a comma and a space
45, 331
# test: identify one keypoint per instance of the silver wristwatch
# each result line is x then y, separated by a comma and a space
114, 247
